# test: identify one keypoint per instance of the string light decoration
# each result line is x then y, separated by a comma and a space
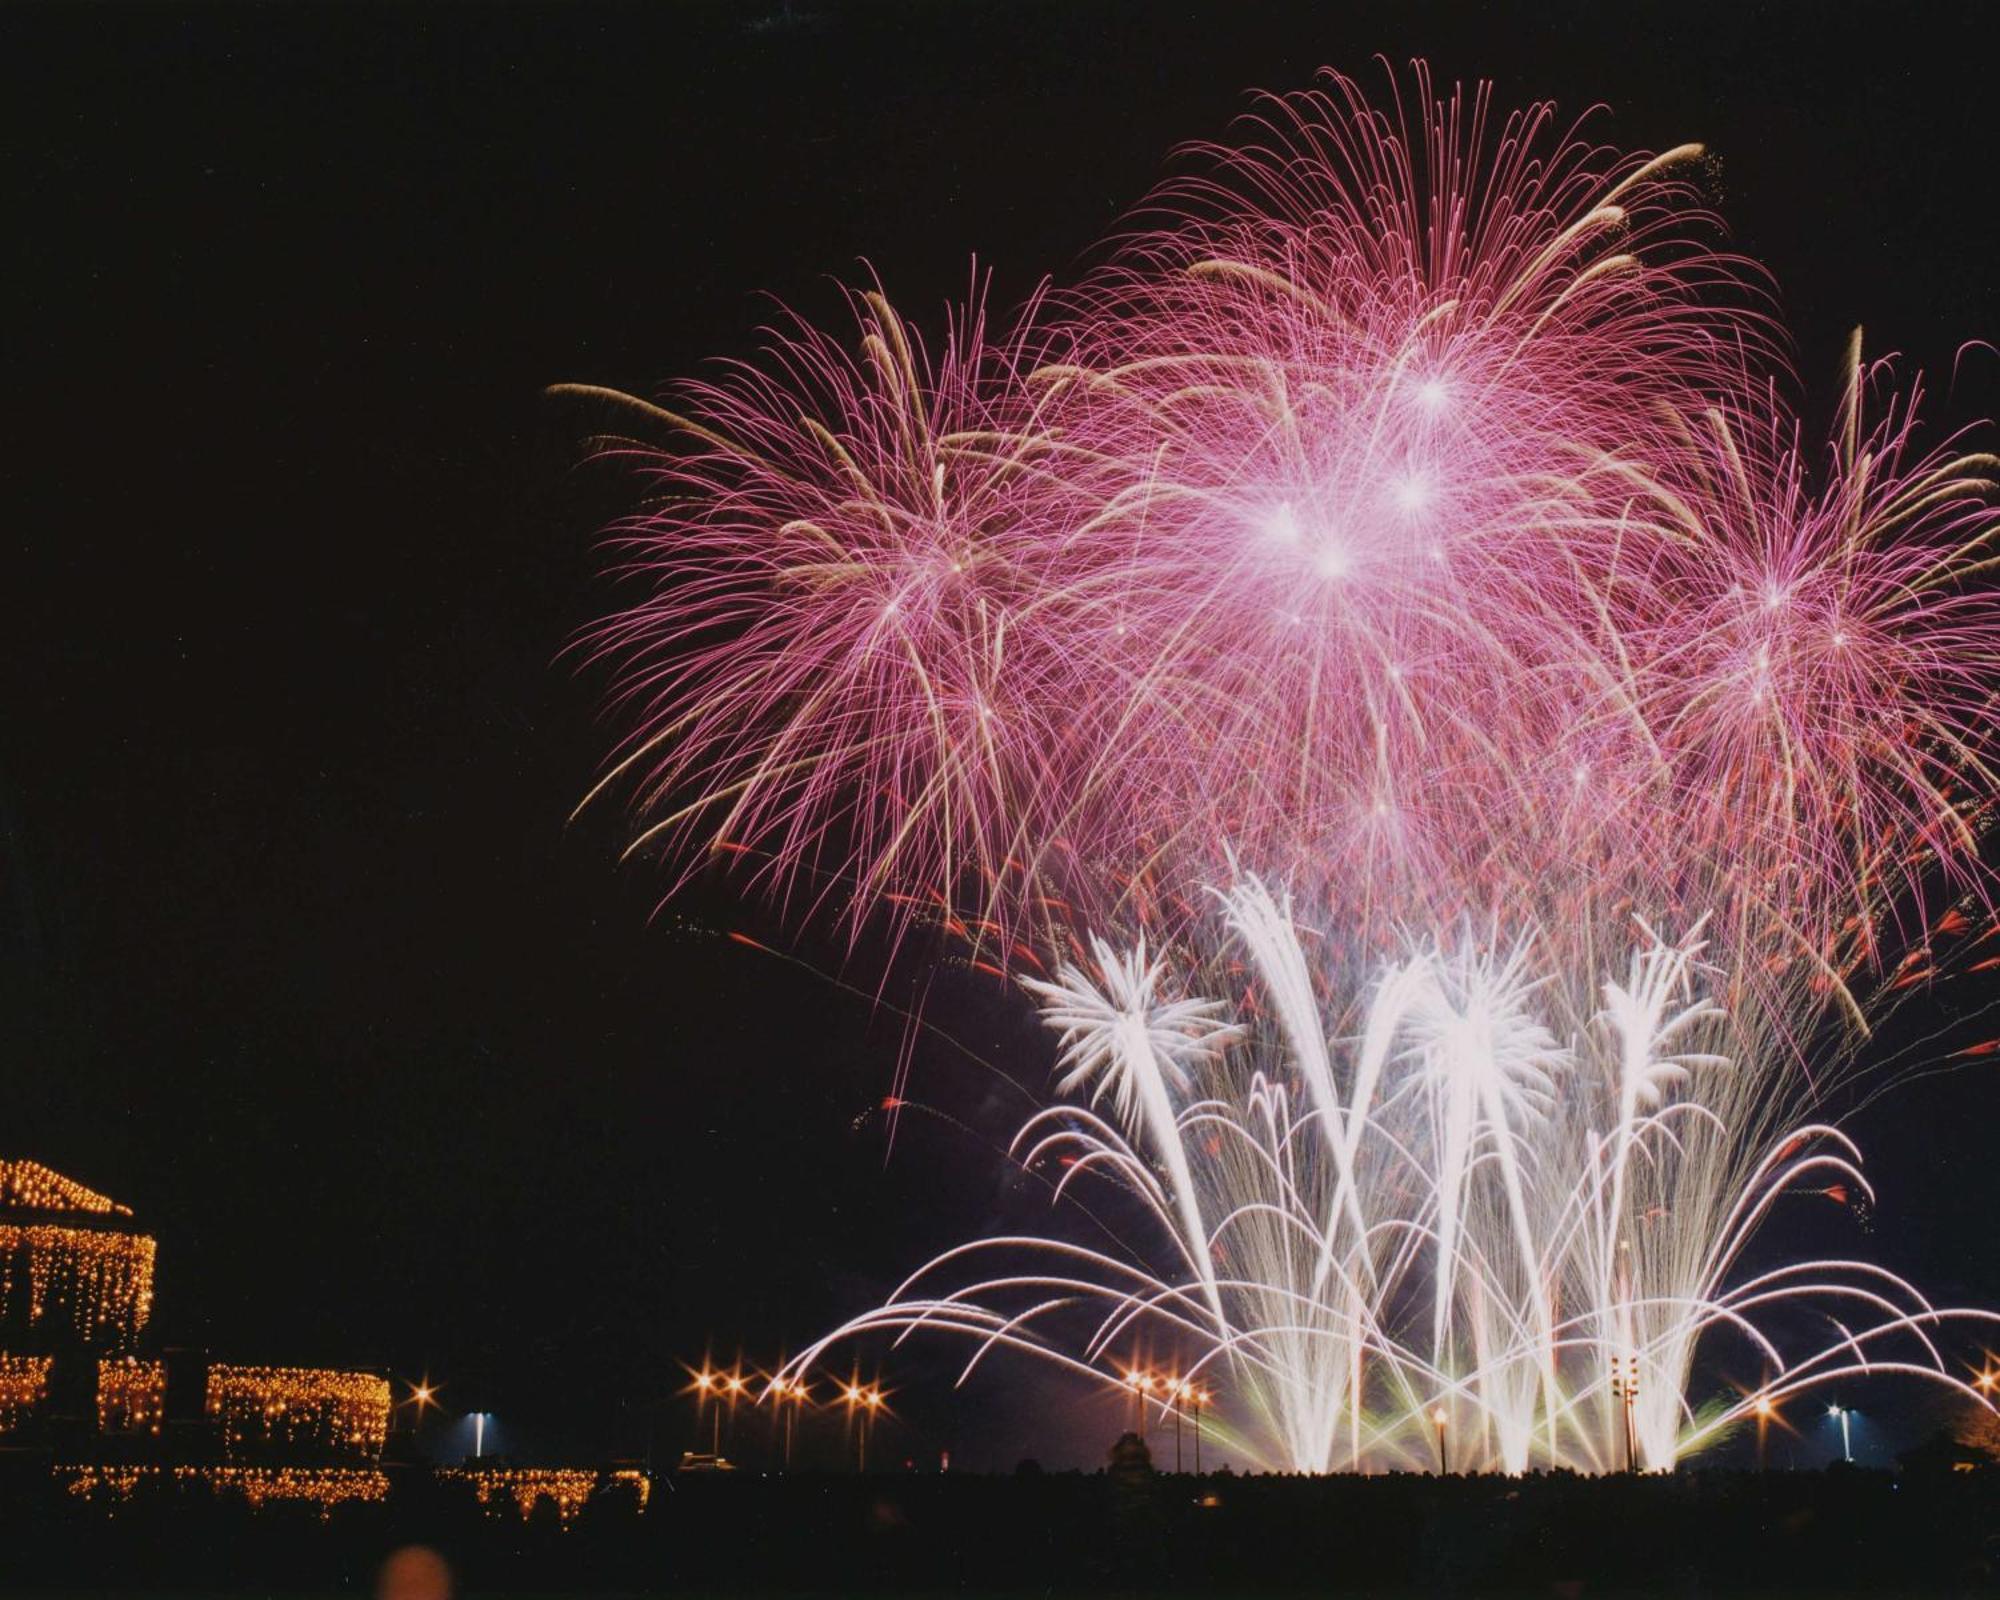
106, 1482
131, 1395
30, 1186
324, 1487
568, 1488
100, 1283
24, 1384
340, 1412
69, 1267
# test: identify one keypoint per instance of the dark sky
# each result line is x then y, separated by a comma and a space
298, 953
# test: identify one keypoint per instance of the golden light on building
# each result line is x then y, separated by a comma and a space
321, 1407
131, 1395
24, 1384
30, 1186
72, 1267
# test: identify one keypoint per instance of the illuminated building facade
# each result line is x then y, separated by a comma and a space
119, 1420
315, 1411
75, 1272
76, 1291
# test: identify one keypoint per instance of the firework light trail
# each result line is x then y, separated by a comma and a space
1407, 516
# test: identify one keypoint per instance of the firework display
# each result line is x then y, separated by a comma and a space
1381, 663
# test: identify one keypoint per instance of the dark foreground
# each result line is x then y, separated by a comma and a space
1843, 1532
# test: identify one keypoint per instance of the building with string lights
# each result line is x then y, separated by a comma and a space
86, 1396
77, 1376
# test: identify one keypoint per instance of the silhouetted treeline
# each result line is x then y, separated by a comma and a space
1694, 1533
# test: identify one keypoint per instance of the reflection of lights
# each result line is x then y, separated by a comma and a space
324, 1487
568, 1489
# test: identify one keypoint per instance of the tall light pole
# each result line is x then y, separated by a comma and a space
867, 1402
1846, 1438
1440, 1417
1625, 1386
705, 1384
873, 1401
794, 1391
1765, 1412
733, 1388
421, 1397
1200, 1400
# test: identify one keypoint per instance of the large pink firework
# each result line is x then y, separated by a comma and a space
1406, 511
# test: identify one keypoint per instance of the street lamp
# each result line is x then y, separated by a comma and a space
1844, 1413
421, 1396
1765, 1412
794, 1390
1625, 1387
732, 1389
1440, 1417
1200, 1400
708, 1386
868, 1402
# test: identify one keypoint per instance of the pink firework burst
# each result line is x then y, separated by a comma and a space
1405, 511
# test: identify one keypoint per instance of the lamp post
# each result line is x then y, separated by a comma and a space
874, 1404
1200, 1400
1177, 1390
782, 1390
705, 1385
1440, 1418
1846, 1438
1765, 1412
867, 1402
420, 1398
733, 1389
1625, 1386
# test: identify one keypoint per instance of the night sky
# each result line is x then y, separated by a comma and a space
299, 952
